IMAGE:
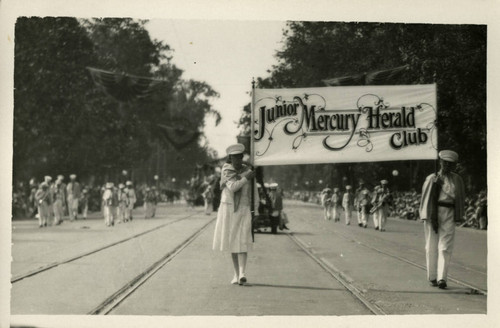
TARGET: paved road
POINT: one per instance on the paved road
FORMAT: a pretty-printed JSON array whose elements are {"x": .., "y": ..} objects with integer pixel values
[{"x": 384, "y": 267}]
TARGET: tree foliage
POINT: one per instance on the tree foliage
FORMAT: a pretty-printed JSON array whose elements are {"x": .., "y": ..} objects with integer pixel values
[
  {"x": 452, "y": 56},
  {"x": 63, "y": 123}
]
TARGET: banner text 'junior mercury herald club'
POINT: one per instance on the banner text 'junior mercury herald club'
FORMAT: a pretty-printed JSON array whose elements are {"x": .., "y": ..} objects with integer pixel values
[{"x": 344, "y": 124}]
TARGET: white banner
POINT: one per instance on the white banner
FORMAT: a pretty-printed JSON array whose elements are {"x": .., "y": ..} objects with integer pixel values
[{"x": 344, "y": 124}]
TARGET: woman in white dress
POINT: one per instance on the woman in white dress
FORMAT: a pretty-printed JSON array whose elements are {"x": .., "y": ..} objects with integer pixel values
[{"x": 233, "y": 230}]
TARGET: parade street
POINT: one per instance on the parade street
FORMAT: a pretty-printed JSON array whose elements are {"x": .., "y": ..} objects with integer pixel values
[{"x": 166, "y": 266}]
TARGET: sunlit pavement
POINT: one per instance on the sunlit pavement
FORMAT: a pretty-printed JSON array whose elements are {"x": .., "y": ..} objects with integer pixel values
[{"x": 283, "y": 280}]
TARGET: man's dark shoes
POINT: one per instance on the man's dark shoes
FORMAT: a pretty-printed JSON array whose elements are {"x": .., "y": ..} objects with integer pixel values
[
  {"x": 433, "y": 283},
  {"x": 442, "y": 284}
]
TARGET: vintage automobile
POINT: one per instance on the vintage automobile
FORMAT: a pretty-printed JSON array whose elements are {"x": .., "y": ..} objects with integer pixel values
[{"x": 263, "y": 218}]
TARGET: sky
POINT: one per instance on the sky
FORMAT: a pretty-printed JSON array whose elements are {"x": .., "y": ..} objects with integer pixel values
[{"x": 226, "y": 54}]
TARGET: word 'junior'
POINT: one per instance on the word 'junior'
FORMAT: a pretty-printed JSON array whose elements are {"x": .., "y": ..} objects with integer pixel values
[{"x": 315, "y": 120}]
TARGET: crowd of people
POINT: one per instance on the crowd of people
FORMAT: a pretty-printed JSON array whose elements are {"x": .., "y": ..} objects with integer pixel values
[
  {"x": 442, "y": 205},
  {"x": 50, "y": 201},
  {"x": 378, "y": 203},
  {"x": 78, "y": 199},
  {"x": 405, "y": 205}
]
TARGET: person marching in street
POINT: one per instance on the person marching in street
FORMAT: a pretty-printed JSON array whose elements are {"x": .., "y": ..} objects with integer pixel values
[
  {"x": 132, "y": 199},
  {"x": 32, "y": 201},
  {"x": 277, "y": 205},
  {"x": 73, "y": 193},
  {"x": 326, "y": 202},
  {"x": 43, "y": 199},
  {"x": 442, "y": 204},
  {"x": 358, "y": 195},
  {"x": 110, "y": 201},
  {"x": 33, "y": 204},
  {"x": 59, "y": 198},
  {"x": 208, "y": 196},
  {"x": 364, "y": 207},
  {"x": 150, "y": 202},
  {"x": 155, "y": 201},
  {"x": 283, "y": 216},
  {"x": 63, "y": 186},
  {"x": 50, "y": 216},
  {"x": 84, "y": 202},
  {"x": 233, "y": 230},
  {"x": 381, "y": 203},
  {"x": 145, "y": 194},
  {"x": 336, "y": 205},
  {"x": 348, "y": 204},
  {"x": 122, "y": 204},
  {"x": 373, "y": 208}
]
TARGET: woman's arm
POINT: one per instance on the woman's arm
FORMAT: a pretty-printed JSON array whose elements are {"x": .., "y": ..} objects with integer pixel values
[{"x": 235, "y": 185}]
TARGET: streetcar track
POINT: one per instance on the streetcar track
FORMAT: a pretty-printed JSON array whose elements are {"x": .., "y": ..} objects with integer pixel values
[
  {"x": 339, "y": 276},
  {"x": 74, "y": 258},
  {"x": 120, "y": 295},
  {"x": 473, "y": 289}
]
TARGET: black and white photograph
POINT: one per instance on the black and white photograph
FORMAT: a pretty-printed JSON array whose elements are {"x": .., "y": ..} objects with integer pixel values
[{"x": 250, "y": 164}]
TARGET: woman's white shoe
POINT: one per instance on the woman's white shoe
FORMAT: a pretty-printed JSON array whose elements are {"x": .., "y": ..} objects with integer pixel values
[{"x": 235, "y": 280}]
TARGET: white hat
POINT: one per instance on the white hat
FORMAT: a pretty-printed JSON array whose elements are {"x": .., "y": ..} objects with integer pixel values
[
  {"x": 235, "y": 149},
  {"x": 72, "y": 176},
  {"x": 128, "y": 183},
  {"x": 348, "y": 187},
  {"x": 266, "y": 185},
  {"x": 335, "y": 189},
  {"x": 273, "y": 185},
  {"x": 109, "y": 185},
  {"x": 60, "y": 177},
  {"x": 365, "y": 192},
  {"x": 48, "y": 178},
  {"x": 448, "y": 155},
  {"x": 384, "y": 182},
  {"x": 121, "y": 186},
  {"x": 326, "y": 190}
]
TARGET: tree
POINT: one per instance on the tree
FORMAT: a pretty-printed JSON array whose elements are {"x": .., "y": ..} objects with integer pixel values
[
  {"x": 64, "y": 124},
  {"x": 452, "y": 56},
  {"x": 50, "y": 94}
]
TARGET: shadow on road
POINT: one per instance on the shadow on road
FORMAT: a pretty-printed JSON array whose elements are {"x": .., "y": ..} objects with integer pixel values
[
  {"x": 450, "y": 290},
  {"x": 293, "y": 287}
]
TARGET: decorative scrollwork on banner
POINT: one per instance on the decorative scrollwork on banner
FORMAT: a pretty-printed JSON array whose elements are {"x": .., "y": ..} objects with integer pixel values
[
  {"x": 306, "y": 98},
  {"x": 431, "y": 126},
  {"x": 298, "y": 140},
  {"x": 364, "y": 140},
  {"x": 270, "y": 138},
  {"x": 370, "y": 97}
]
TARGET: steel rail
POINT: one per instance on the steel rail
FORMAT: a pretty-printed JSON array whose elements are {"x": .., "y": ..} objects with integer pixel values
[
  {"x": 74, "y": 258},
  {"x": 339, "y": 277},
  {"x": 474, "y": 289},
  {"x": 119, "y": 296}
]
